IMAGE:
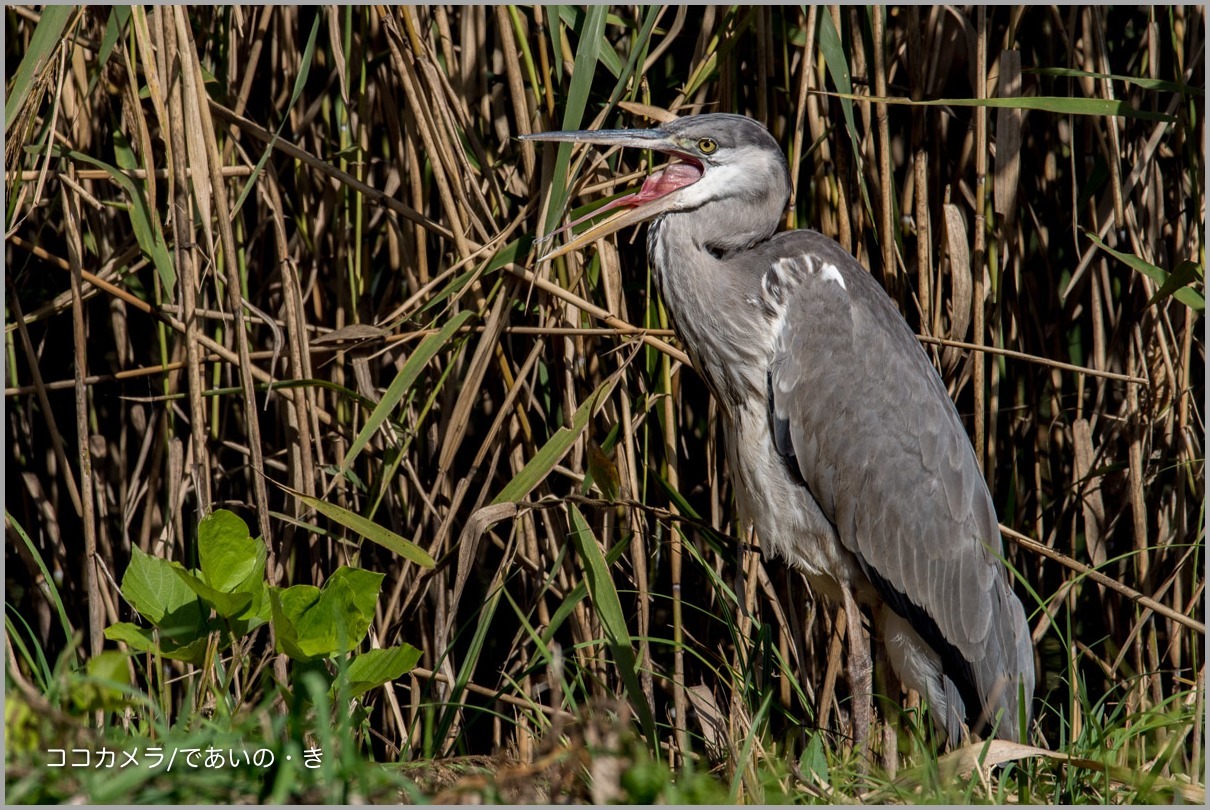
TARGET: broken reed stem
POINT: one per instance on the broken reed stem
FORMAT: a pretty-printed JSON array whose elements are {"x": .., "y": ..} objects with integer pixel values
[
  {"x": 979, "y": 253},
  {"x": 75, "y": 254},
  {"x": 1101, "y": 579}
]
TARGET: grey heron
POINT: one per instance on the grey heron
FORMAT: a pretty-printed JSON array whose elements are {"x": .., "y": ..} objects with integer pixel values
[{"x": 847, "y": 454}]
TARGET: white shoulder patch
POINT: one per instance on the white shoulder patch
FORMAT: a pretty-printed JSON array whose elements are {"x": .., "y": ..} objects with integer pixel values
[
  {"x": 787, "y": 272},
  {"x": 813, "y": 266},
  {"x": 832, "y": 274},
  {"x": 784, "y": 267}
]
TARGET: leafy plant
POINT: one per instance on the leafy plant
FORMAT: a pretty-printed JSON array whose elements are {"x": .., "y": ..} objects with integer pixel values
[{"x": 227, "y": 598}]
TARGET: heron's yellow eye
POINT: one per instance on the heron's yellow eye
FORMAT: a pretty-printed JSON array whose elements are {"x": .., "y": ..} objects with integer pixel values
[{"x": 707, "y": 146}]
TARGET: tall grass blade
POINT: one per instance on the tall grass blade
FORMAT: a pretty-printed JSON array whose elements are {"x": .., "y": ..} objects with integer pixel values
[
  {"x": 402, "y": 384},
  {"x": 55, "y": 597},
  {"x": 46, "y": 38},
  {"x": 1059, "y": 105},
  {"x": 588, "y": 50},
  {"x": 300, "y": 81},
  {"x": 1185, "y": 274},
  {"x": 1158, "y": 85},
  {"x": 144, "y": 221},
  {"x": 115, "y": 26},
  {"x": 555, "y": 448},
  {"x": 613, "y": 619},
  {"x": 366, "y": 528},
  {"x": 838, "y": 68}
]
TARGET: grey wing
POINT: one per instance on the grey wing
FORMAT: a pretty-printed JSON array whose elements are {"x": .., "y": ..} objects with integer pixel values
[{"x": 857, "y": 404}]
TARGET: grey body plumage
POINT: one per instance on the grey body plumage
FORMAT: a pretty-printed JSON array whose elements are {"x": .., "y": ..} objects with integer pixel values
[{"x": 848, "y": 456}]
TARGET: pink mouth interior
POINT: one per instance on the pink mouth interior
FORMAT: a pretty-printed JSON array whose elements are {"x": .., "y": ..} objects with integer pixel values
[{"x": 660, "y": 184}]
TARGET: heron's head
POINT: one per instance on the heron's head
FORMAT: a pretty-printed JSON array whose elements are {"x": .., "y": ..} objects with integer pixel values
[{"x": 728, "y": 164}]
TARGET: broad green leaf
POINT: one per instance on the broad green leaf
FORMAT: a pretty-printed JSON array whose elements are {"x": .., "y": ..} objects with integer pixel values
[
  {"x": 288, "y": 605},
  {"x": 257, "y": 587},
  {"x": 376, "y": 667},
  {"x": 142, "y": 639},
  {"x": 105, "y": 673},
  {"x": 137, "y": 638},
  {"x": 258, "y": 613},
  {"x": 364, "y": 585},
  {"x": 336, "y": 623},
  {"x": 227, "y": 605},
  {"x": 226, "y": 551},
  {"x": 813, "y": 761},
  {"x": 555, "y": 448},
  {"x": 1187, "y": 295},
  {"x": 46, "y": 38},
  {"x": 193, "y": 652},
  {"x": 403, "y": 383},
  {"x": 312, "y": 622},
  {"x": 156, "y": 591},
  {"x": 110, "y": 665}
]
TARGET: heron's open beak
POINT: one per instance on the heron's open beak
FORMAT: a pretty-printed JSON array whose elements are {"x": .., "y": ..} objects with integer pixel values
[{"x": 655, "y": 197}]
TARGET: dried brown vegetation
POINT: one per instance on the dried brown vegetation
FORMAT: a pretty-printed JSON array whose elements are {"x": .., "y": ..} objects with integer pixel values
[{"x": 229, "y": 230}]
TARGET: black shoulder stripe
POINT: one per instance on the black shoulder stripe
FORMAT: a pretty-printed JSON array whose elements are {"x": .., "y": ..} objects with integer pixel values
[{"x": 780, "y": 429}]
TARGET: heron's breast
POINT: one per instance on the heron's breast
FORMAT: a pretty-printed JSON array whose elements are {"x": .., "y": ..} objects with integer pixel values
[{"x": 780, "y": 507}]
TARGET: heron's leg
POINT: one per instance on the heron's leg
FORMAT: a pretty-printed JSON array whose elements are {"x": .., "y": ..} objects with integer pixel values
[
  {"x": 886, "y": 684},
  {"x": 860, "y": 672}
]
